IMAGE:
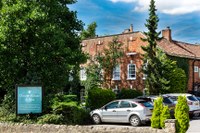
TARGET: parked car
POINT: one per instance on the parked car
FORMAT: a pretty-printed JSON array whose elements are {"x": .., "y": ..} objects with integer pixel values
[
  {"x": 166, "y": 101},
  {"x": 193, "y": 102},
  {"x": 133, "y": 111}
]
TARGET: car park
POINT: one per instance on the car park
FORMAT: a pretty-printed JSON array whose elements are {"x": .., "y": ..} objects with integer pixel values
[
  {"x": 133, "y": 111},
  {"x": 193, "y": 102}
]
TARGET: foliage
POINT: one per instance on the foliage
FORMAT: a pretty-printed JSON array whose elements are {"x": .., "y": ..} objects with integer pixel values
[
  {"x": 98, "y": 97},
  {"x": 154, "y": 80},
  {"x": 94, "y": 76},
  {"x": 164, "y": 115},
  {"x": 50, "y": 119},
  {"x": 157, "y": 111},
  {"x": 109, "y": 58},
  {"x": 172, "y": 73},
  {"x": 163, "y": 75},
  {"x": 66, "y": 110},
  {"x": 90, "y": 32},
  {"x": 39, "y": 44},
  {"x": 182, "y": 115},
  {"x": 182, "y": 63},
  {"x": 128, "y": 93}
]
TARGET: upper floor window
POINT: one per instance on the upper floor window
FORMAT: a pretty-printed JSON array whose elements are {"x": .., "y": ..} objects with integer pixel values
[
  {"x": 144, "y": 67},
  {"x": 196, "y": 69},
  {"x": 83, "y": 75},
  {"x": 131, "y": 71},
  {"x": 116, "y": 72}
]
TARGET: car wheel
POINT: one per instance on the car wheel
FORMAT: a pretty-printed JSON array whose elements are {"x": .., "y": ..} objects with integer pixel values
[
  {"x": 135, "y": 120},
  {"x": 96, "y": 119}
]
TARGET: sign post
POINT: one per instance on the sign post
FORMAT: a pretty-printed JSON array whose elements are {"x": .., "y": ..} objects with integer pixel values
[{"x": 28, "y": 99}]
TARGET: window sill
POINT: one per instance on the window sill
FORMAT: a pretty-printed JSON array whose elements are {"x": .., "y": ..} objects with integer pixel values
[
  {"x": 131, "y": 78},
  {"x": 116, "y": 79}
]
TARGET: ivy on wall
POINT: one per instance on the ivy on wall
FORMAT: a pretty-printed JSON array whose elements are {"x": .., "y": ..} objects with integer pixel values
[{"x": 182, "y": 63}]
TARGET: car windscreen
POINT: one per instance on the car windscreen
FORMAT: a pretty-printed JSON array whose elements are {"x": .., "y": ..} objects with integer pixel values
[
  {"x": 146, "y": 104},
  {"x": 192, "y": 98}
]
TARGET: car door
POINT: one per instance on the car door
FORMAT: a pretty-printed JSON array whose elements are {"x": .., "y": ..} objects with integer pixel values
[
  {"x": 124, "y": 110},
  {"x": 109, "y": 112}
]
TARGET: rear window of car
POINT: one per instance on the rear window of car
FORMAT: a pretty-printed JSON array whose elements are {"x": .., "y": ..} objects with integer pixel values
[
  {"x": 192, "y": 98},
  {"x": 167, "y": 100},
  {"x": 146, "y": 104}
]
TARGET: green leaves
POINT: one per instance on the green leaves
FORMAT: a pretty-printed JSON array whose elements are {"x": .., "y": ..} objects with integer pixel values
[
  {"x": 182, "y": 115},
  {"x": 39, "y": 43}
]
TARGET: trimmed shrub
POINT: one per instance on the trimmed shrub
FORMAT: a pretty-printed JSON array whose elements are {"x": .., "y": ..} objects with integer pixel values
[
  {"x": 164, "y": 115},
  {"x": 182, "y": 115},
  {"x": 157, "y": 110},
  {"x": 98, "y": 97},
  {"x": 66, "y": 106},
  {"x": 128, "y": 93},
  {"x": 50, "y": 119}
]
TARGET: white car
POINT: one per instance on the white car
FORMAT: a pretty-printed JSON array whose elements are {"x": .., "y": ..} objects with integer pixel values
[
  {"x": 133, "y": 111},
  {"x": 193, "y": 102}
]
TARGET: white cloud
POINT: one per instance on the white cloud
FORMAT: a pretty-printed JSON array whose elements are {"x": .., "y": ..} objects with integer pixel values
[{"x": 173, "y": 7}]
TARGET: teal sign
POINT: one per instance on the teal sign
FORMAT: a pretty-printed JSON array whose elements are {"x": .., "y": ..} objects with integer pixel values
[{"x": 29, "y": 99}]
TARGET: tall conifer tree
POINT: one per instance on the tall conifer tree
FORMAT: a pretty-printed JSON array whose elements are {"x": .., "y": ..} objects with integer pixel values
[{"x": 155, "y": 81}]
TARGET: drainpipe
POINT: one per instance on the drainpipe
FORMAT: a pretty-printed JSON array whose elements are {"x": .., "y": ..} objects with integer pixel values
[{"x": 193, "y": 74}]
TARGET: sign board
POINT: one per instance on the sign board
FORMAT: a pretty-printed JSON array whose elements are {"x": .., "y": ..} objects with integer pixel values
[{"x": 29, "y": 99}]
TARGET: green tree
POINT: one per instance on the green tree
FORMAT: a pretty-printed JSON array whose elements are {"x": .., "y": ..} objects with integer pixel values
[
  {"x": 157, "y": 111},
  {"x": 160, "y": 70},
  {"x": 172, "y": 73},
  {"x": 164, "y": 115},
  {"x": 108, "y": 59},
  {"x": 90, "y": 32},
  {"x": 39, "y": 44},
  {"x": 94, "y": 75},
  {"x": 154, "y": 80},
  {"x": 182, "y": 115}
]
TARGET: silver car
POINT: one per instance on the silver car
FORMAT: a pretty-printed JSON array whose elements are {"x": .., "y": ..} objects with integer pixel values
[{"x": 133, "y": 111}]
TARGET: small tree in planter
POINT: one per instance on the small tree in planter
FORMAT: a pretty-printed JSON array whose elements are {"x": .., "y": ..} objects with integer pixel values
[
  {"x": 164, "y": 115},
  {"x": 157, "y": 110},
  {"x": 182, "y": 115}
]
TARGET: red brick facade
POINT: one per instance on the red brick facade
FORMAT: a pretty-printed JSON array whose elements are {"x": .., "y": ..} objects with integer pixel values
[{"x": 132, "y": 55}]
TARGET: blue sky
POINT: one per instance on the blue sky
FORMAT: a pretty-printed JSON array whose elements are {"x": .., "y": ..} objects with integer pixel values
[{"x": 113, "y": 16}]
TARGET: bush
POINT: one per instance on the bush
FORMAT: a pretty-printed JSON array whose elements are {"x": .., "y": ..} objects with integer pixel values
[
  {"x": 157, "y": 110},
  {"x": 67, "y": 106},
  {"x": 98, "y": 97},
  {"x": 182, "y": 115},
  {"x": 128, "y": 93},
  {"x": 164, "y": 115},
  {"x": 50, "y": 119},
  {"x": 71, "y": 112}
]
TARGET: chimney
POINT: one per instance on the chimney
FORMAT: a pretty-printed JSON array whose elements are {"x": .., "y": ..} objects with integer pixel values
[
  {"x": 166, "y": 33},
  {"x": 131, "y": 28}
]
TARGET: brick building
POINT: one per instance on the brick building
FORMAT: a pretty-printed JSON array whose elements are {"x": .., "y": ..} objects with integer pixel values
[{"x": 129, "y": 75}]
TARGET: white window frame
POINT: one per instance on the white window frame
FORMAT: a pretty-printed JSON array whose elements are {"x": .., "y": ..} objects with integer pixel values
[
  {"x": 196, "y": 69},
  {"x": 116, "y": 72},
  {"x": 199, "y": 72},
  {"x": 144, "y": 75},
  {"x": 129, "y": 73},
  {"x": 83, "y": 75}
]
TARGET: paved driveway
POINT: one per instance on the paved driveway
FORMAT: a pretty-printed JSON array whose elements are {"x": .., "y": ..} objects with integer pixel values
[{"x": 194, "y": 125}]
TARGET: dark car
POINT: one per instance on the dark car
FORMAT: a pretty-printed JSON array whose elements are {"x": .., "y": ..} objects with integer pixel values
[{"x": 166, "y": 101}]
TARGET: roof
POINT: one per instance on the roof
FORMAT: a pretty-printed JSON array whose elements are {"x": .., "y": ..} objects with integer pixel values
[{"x": 180, "y": 49}]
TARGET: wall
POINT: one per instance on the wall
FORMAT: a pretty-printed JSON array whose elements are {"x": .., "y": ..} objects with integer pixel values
[
  {"x": 192, "y": 74},
  {"x": 131, "y": 43},
  {"x": 50, "y": 128}
]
